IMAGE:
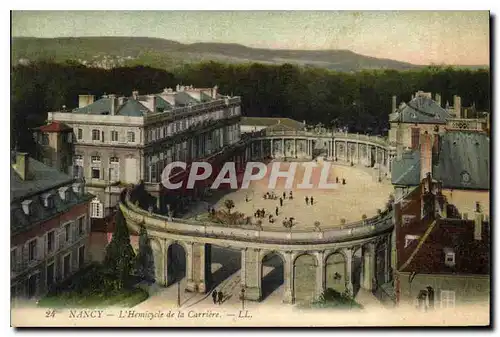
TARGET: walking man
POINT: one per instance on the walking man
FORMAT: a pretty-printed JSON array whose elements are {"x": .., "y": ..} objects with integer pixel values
[
  {"x": 214, "y": 296},
  {"x": 284, "y": 195},
  {"x": 312, "y": 201},
  {"x": 220, "y": 295},
  {"x": 307, "y": 201},
  {"x": 276, "y": 210},
  {"x": 281, "y": 202}
]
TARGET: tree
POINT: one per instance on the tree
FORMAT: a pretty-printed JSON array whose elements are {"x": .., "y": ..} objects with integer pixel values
[
  {"x": 229, "y": 205},
  {"x": 144, "y": 262},
  {"x": 119, "y": 253}
]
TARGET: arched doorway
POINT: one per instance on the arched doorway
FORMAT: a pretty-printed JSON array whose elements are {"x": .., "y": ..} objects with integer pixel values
[
  {"x": 176, "y": 263},
  {"x": 304, "y": 278},
  {"x": 272, "y": 274},
  {"x": 225, "y": 262},
  {"x": 335, "y": 272}
]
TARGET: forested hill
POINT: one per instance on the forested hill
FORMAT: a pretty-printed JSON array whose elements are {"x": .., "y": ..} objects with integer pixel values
[
  {"x": 167, "y": 54},
  {"x": 360, "y": 100}
]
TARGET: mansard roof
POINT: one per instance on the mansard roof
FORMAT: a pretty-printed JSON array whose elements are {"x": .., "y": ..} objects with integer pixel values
[{"x": 422, "y": 110}]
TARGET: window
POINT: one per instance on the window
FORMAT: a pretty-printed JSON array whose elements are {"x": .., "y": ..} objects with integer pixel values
[
  {"x": 67, "y": 232},
  {"x": 114, "y": 160},
  {"x": 96, "y": 135},
  {"x": 102, "y": 136},
  {"x": 32, "y": 250},
  {"x": 70, "y": 137},
  {"x": 449, "y": 259},
  {"x": 410, "y": 238},
  {"x": 96, "y": 173},
  {"x": 50, "y": 241},
  {"x": 415, "y": 138},
  {"x": 50, "y": 274},
  {"x": 67, "y": 265},
  {"x": 114, "y": 136},
  {"x": 45, "y": 139},
  {"x": 130, "y": 137},
  {"x": 81, "y": 226},
  {"x": 96, "y": 209},
  {"x": 114, "y": 169},
  {"x": 447, "y": 299},
  {"x": 81, "y": 256},
  {"x": 79, "y": 133}
]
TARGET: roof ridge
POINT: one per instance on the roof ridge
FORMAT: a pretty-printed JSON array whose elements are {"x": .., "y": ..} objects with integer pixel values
[{"x": 420, "y": 244}]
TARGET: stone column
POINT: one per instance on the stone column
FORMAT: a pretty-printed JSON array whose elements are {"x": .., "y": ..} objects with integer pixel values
[
  {"x": 190, "y": 284},
  {"x": 368, "y": 265},
  {"x": 334, "y": 149},
  {"x": 376, "y": 155},
  {"x": 288, "y": 296},
  {"x": 283, "y": 151},
  {"x": 387, "y": 257},
  {"x": 158, "y": 249},
  {"x": 357, "y": 152},
  {"x": 251, "y": 277},
  {"x": 198, "y": 267},
  {"x": 261, "y": 148},
  {"x": 272, "y": 148},
  {"x": 346, "y": 150},
  {"x": 320, "y": 274},
  {"x": 295, "y": 147},
  {"x": 348, "y": 277}
]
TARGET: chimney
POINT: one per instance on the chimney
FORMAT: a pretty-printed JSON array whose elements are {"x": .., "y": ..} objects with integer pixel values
[
  {"x": 425, "y": 154},
  {"x": 394, "y": 103},
  {"x": 457, "y": 106},
  {"x": 22, "y": 165},
  {"x": 478, "y": 222},
  {"x": 214, "y": 91},
  {"x": 438, "y": 99},
  {"x": 135, "y": 94},
  {"x": 84, "y": 100},
  {"x": 112, "y": 104}
]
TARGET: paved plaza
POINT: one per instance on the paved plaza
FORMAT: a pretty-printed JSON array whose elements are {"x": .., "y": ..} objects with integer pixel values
[{"x": 362, "y": 194}]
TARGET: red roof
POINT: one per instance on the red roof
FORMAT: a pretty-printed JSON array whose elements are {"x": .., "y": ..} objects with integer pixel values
[{"x": 54, "y": 127}]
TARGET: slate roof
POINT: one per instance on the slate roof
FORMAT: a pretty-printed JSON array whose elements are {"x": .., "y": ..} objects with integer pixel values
[
  {"x": 406, "y": 171},
  {"x": 43, "y": 179},
  {"x": 422, "y": 110},
  {"x": 464, "y": 160},
  {"x": 132, "y": 108},
  {"x": 270, "y": 121},
  {"x": 99, "y": 107},
  {"x": 54, "y": 127},
  {"x": 182, "y": 98}
]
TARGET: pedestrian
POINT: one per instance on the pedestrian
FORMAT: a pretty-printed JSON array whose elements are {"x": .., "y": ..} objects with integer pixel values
[
  {"x": 307, "y": 201},
  {"x": 337, "y": 180},
  {"x": 214, "y": 296},
  {"x": 281, "y": 202},
  {"x": 220, "y": 295},
  {"x": 343, "y": 181},
  {"x": 246, "y": 198},
  {"x": 263, "y": 212},
  {"x": 291, "y": 195},
  {"x": 276, "y": 210},
  {"x": 284, "y": 195},
  {"x": 312, "y": 201}
]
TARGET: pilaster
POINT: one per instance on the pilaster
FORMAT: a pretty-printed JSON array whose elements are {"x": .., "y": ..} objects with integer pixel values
[
  {"x": 348, "y": 277},
  {"x": 251, "y": 278},
  {"x": 320, "y": 273},
  {"x": 288, "y": 296}
]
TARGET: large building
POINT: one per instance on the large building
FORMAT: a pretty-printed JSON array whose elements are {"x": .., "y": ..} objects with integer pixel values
[
  {"x": 49, "y": 226},
  {"x": 441, "y": 177},
  {"x": 125, "y": 140}
]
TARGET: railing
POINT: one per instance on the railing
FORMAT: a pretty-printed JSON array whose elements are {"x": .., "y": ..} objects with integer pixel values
[
  {"x": 329, "y": 134},
  {"x": 163, "y": 223},
  {"x": 465, "y": 124}
]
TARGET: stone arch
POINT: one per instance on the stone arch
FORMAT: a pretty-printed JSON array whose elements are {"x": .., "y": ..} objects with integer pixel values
[
  {"x": 304, "y": 277},
  {"x": 272, "y": 272},
  {"x": 336, "y": 271},
  {"x": 176, "y": 264}
]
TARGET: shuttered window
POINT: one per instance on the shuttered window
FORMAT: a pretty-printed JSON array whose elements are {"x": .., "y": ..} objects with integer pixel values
[{"x": 415, "y": 138}]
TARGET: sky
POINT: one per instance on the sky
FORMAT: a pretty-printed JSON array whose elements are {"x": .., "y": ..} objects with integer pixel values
[{"x": 418, "y": 37}]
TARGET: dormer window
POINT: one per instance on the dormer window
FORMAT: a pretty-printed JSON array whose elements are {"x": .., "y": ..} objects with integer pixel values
[
  {"x": 26, "y": 204},
  {"x": 77, "y": 188},
  {"x": 48, "y": 200},
  {"x": 64, "y": 193},
  {"x": 449, "y": 259}
]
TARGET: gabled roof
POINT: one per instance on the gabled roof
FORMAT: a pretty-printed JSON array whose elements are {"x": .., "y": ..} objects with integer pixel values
[
  {"x": 464, "y": 160},
  {"x": 99, "y": 107},
  {"x": 269, "y": 121},
  {"x": 54, "y": 127},
  {"x": 422, "y": 110}
]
